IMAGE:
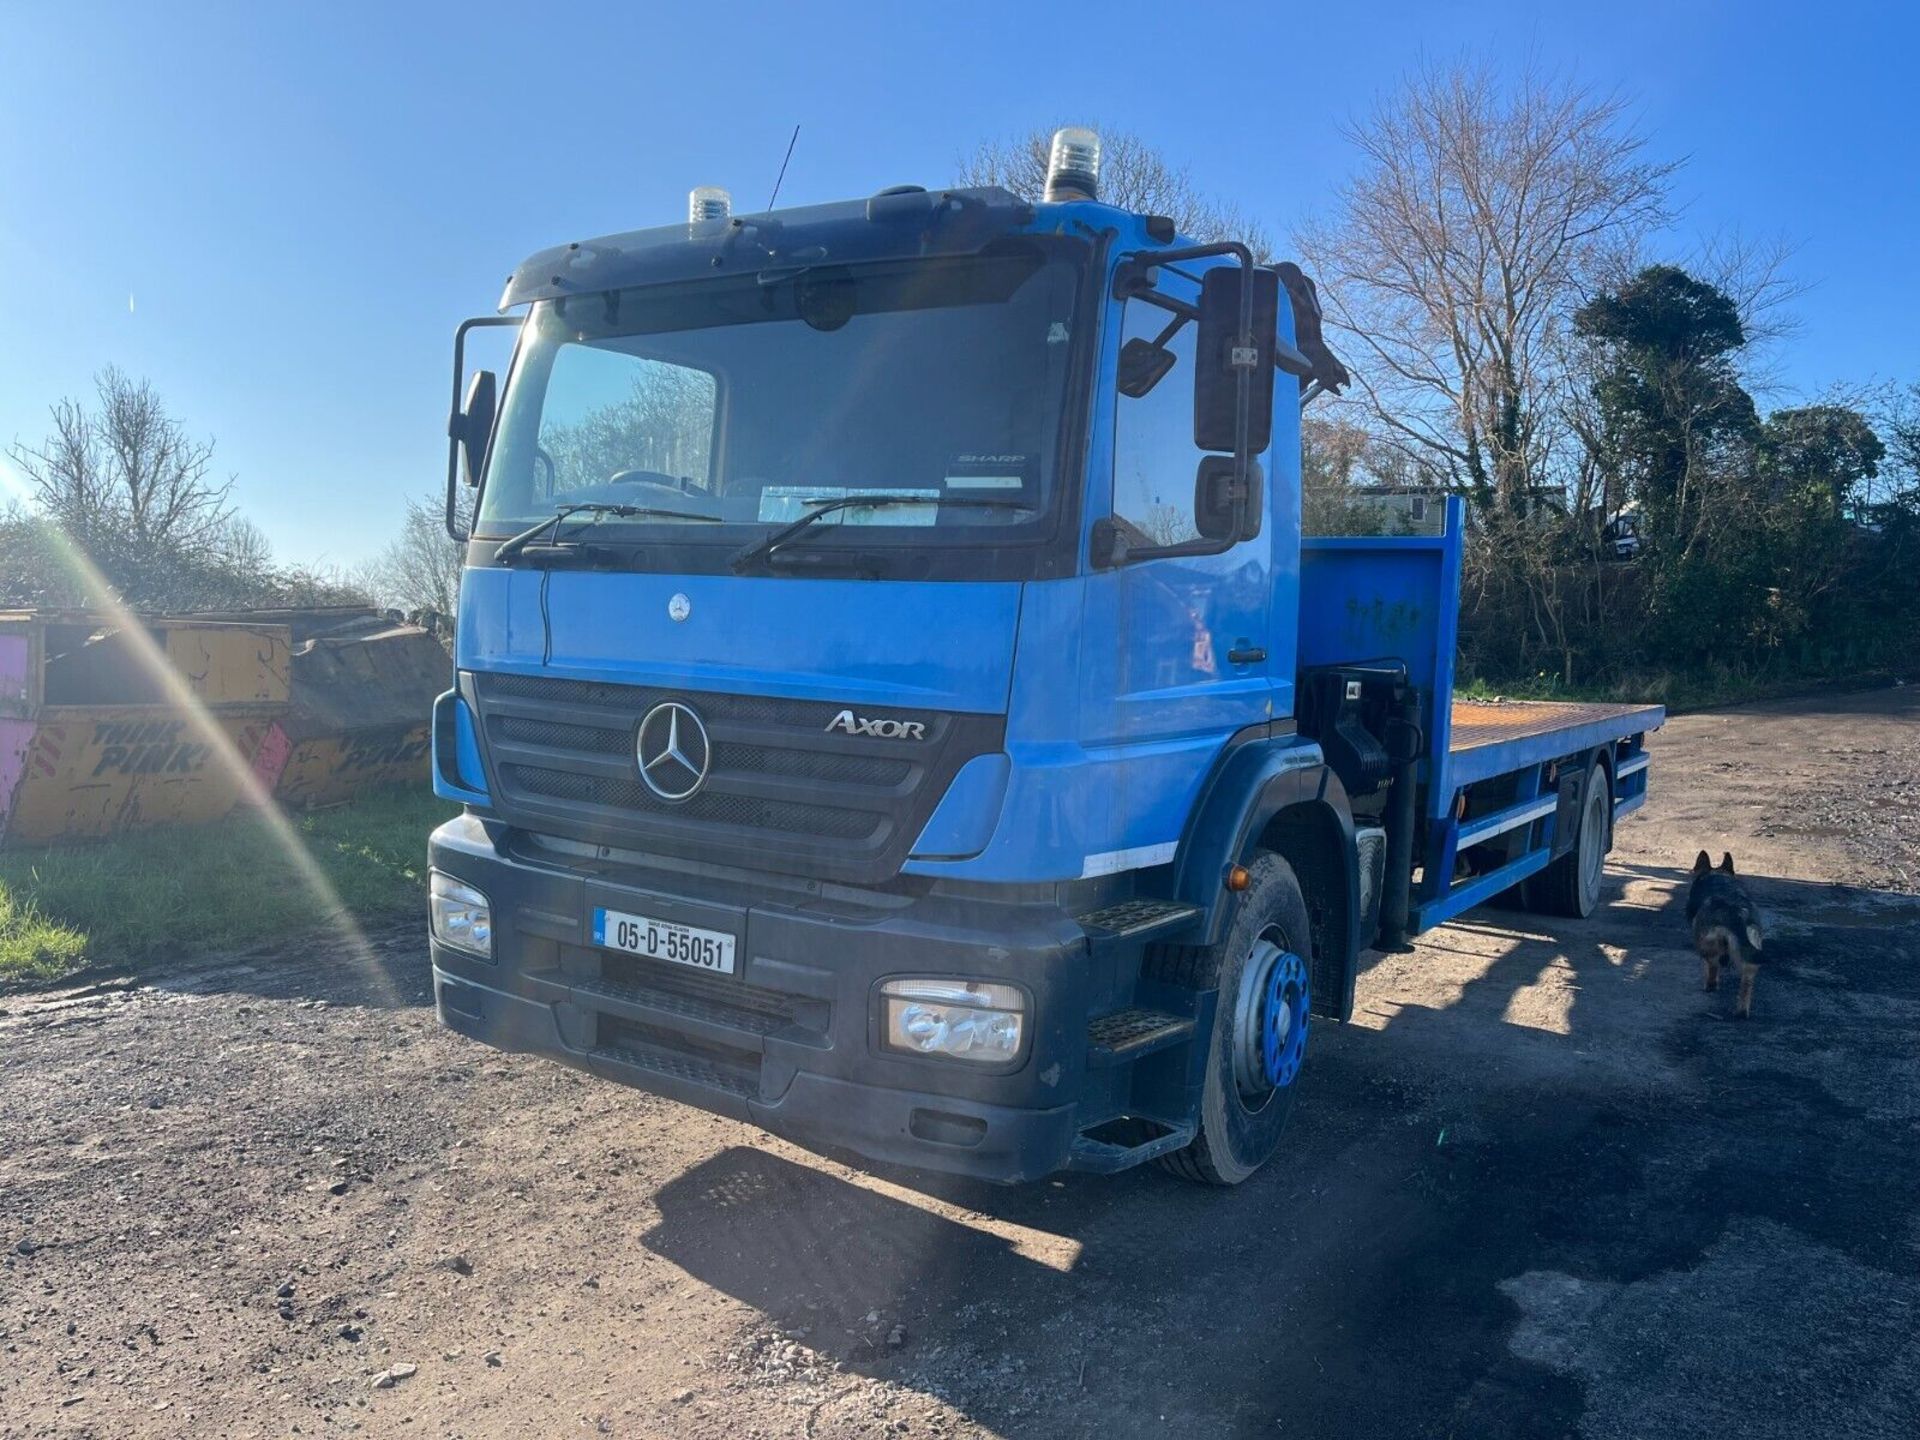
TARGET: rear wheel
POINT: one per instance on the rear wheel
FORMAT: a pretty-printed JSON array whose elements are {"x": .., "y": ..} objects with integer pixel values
[
  {"x": 1262, "y": 969},
  {"x": 1571, "y": 884}
]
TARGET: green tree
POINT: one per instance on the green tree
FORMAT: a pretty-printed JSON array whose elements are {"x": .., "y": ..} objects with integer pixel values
[
  {"x": 1669, "y": 417},
  {"x": 1824, "y": 453}
]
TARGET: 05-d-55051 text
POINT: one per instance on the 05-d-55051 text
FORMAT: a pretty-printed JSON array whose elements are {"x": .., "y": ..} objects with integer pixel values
[{"x": 664, "y": 940}]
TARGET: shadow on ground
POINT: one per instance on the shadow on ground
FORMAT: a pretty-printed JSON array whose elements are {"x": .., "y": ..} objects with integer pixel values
[
  {"x": 1540, "y": 1186},
  {"x": 1625, "y": 1215}
]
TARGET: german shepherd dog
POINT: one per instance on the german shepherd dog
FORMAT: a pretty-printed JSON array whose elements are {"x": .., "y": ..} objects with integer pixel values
[{"x": 1726, "y": 926}]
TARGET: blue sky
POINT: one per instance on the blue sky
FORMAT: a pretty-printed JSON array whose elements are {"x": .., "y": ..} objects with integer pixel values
[{"x": 302, "y": 201}]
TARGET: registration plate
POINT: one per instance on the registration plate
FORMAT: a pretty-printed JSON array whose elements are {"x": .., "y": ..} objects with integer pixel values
[{"x": 664, "y": 940}]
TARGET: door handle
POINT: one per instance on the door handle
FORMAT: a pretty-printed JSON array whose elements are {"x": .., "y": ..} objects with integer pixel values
[{"x": 1246, "y": 654}]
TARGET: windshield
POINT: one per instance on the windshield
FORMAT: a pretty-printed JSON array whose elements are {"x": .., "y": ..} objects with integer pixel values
[{"x": 752, "y": 401}]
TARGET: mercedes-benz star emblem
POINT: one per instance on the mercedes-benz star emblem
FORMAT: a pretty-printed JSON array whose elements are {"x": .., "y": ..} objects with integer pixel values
[
  {"x": 678, "y": 608},
  {"x": 673, "y": 751}
]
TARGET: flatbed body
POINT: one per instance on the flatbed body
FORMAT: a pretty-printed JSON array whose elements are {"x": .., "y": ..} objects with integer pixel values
[{"x": 1498, "y": 778}]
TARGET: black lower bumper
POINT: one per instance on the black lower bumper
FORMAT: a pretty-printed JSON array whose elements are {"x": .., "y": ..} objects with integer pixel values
[{"x": 791, "y": 1042}]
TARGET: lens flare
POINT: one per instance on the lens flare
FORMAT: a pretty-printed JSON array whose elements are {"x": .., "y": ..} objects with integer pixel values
[{"x": 255, "y": 796}]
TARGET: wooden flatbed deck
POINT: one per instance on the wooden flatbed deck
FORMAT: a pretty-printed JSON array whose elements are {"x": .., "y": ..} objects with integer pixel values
[
  {"x": 1497, "y": 722},
  {"x": 1492, "y": 737}
]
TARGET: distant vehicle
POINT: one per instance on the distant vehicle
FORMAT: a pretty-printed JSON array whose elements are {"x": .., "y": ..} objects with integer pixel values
[
  {"x": 894, "y": 703},
  {"x": 1620, "y": 537}
]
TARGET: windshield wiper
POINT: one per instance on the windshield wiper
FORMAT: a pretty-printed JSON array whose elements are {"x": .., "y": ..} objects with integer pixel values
[
  {"x": 762, "y": 550},
  {"x": 509, "y": 548}
]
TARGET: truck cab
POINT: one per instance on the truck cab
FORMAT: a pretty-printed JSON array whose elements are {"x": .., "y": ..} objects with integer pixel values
[{"x": 883, "y": 708}]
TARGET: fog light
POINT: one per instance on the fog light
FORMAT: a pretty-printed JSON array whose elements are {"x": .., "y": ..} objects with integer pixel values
[
  {"x": 462, "y": 917},
  {"x": 957, "y": 1019}
]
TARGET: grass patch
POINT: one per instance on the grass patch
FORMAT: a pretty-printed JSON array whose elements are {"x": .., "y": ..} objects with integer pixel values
[{"x": 159, "y": 894}]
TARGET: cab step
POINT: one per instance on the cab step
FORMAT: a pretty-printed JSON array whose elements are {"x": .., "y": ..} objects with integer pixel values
[
  {"x": 679, "y": 1075},
  {"x": 1105, "y": 1157},
  {"x": 1134, "y": 921},
  {"x": 1128, "y": 1034}
]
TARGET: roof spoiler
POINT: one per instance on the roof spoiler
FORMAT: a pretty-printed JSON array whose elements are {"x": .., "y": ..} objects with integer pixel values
[{"x": 894, "y": 224}]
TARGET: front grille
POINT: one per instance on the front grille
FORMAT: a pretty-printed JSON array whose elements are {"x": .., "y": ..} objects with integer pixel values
[
  {"x": 718, "y": 809},
  {"x": 783, "y": 791},
  {"x": 858, "y": 769},
  {"x": 851, "y": 769},
  {"x": 555, "y": 735}
]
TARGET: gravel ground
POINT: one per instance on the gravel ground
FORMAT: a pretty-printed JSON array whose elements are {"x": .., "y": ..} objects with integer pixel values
[{"x": 1542, "y": 1186}]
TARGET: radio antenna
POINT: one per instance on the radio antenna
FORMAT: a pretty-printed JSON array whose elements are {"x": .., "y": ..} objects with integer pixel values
[{"x": 783, "y": 168}]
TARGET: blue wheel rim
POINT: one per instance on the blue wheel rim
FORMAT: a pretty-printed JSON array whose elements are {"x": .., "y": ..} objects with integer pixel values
[{"x": 1283, "y": 1020}]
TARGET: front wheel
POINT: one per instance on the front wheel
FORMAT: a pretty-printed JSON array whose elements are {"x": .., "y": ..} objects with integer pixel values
[{"x": 1262, "y": 969}]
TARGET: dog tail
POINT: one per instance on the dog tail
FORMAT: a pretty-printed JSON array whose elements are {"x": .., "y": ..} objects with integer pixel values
[
  {"x": 1739, "y": 940},
  {"x": 1742, "y": 940}
]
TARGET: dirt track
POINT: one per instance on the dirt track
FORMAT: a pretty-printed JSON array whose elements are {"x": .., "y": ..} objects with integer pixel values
[{"x": 1542, "y": 1186}]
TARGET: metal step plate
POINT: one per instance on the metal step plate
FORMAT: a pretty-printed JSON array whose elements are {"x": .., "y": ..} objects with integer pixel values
[
  {"x": 1129, "y": 1034},
  {"x": 1136, "y": 917}
]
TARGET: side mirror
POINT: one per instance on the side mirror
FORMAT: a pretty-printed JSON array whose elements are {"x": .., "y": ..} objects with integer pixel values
[
  {"x": 471, "y": 421},
  {"x": 1143, "y": 365},
  {"x": 473, "y": 424},
  {"x": 1223, "y": 508},
  {"x": 1216, "y": 379}
]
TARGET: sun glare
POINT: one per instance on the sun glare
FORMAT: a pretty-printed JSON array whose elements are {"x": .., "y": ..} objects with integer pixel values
[{"x": 220, "y": 745}]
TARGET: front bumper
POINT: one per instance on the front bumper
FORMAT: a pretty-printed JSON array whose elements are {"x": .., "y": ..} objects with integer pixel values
[{"x": 790, "y": 1042}]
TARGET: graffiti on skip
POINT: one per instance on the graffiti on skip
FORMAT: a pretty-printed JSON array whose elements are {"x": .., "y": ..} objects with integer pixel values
[
  {"x": 374, "y": 751},
  {"x": 147, "y": 747}
]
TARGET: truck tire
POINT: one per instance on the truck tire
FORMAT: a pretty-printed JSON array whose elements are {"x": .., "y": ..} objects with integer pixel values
[
  {"x": 1261, "y": 969},
  {"x": 1570, "y": 886}
]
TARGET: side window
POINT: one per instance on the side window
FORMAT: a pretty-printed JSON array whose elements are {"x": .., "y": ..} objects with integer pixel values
[
  {"x": 608, "y": 412},
  {"x": 1153, "y": 456}
]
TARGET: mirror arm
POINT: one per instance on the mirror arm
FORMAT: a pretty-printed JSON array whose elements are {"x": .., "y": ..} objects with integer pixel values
[
  {"x": 455, "y": 415},
  {"x": 1246, "y": 352},
  {"x": 1179, "y": 309},
  {"x": 1172, "y": 328}
]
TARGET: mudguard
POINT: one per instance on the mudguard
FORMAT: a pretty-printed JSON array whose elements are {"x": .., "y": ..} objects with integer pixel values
[{"x": 1253, "y": 782}]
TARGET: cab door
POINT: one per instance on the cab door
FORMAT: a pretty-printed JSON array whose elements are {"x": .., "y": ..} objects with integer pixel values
[{"x": 1175, "y": 647}]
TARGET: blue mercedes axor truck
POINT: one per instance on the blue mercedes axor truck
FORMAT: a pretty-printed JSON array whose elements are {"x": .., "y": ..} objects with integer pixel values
[{"x": 894, "y": 703}]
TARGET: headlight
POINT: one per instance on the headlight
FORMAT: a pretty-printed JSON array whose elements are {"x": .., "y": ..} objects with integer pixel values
[
  {"x": 957, "y": 1019},
  {"x": 462, "y": 917}
]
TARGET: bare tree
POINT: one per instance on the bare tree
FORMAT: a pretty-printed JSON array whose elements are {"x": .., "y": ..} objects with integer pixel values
[
  {"x": 1133, "y": 175},
  {"x": 420, "y": 568},
  {"x": 1756, "y": 273},
  {"x": 128, "y": 470},
  {"x": 244, "y": 547},
  {"x": 1897, "y": 416},
  {"x": 1480, "y": 216}
]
